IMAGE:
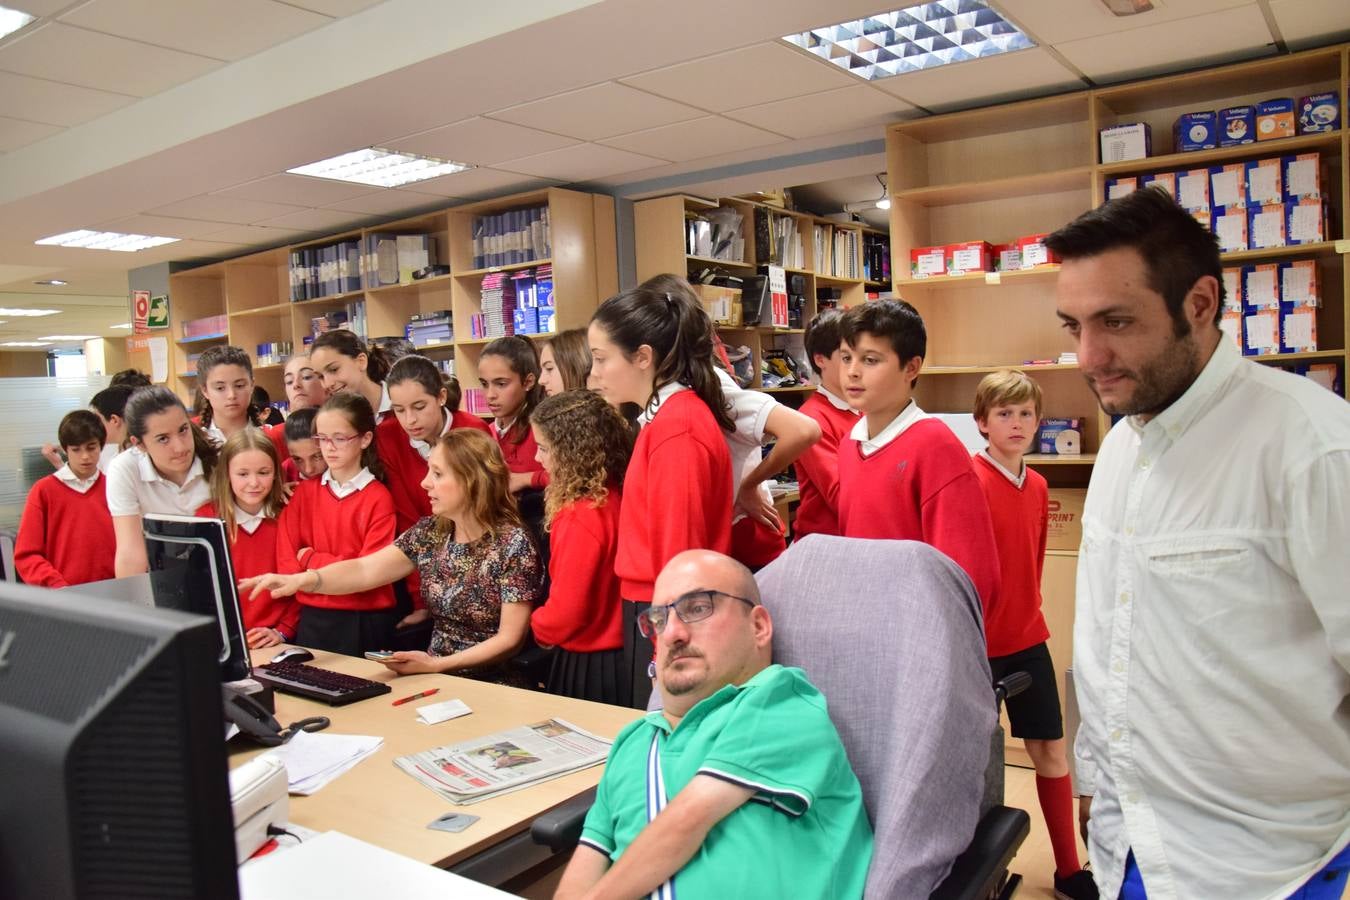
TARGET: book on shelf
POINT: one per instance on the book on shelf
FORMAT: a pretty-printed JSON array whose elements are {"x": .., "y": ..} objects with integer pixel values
[
  {"x": 323, "y": 271},
  {"x": 876, "y": 257},
  {"x": 272, "y": 353},
  {"x": 778, "y": 241},
  {"x": 845, "y": 258},
  {"x": 823, "y": 247},
  {"x": 388, "y": 259},
  {"x": 512, "y": 237},
  {"x": 206, "y": 326},
  {"x": 717, "y": 234},
  {"x": 430, "y": 329}
]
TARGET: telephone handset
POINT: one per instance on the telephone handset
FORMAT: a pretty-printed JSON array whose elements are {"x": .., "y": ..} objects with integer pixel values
[{"x": 256, "y": 723}]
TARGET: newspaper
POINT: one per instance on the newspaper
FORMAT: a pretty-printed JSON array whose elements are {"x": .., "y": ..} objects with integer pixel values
[{"x": 507, "y": 761}]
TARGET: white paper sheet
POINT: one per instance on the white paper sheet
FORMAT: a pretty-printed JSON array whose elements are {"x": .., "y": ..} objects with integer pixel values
[
  {"x": 1226, "y": 188},
  {"x": 1261, "y": 289},
  {"x": 313, "y": 760},
  {"x": 1298, "y": 331},
  {"x": 434, "y": 713},
  {"x": 1261, "y": 332},
  {"x": 1263, "y": 184}
]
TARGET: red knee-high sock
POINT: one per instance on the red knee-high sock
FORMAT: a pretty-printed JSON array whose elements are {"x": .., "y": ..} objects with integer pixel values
[{"x": 1056, "y": 796}]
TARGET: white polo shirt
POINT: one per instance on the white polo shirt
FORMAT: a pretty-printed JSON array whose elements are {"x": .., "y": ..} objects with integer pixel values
[{"x": 135, "y": 487}]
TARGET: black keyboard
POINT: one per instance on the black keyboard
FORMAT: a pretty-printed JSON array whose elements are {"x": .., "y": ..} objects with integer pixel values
[{"x": 333, "y": 688}]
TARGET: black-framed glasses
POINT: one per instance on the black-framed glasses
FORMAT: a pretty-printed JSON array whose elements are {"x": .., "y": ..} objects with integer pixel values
[{"x": 695, "y": 606}]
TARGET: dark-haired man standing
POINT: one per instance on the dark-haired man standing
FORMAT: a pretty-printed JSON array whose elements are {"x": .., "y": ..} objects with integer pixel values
[{"x": 1212, "y": 635}]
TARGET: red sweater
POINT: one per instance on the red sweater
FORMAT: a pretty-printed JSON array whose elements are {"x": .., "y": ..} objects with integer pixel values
[
  {"x": 583, "y": 612},
  {"x": 405, "y": 469},
  {"x": 256, "y": 554},
  {"x": 755, "y": 545},
  {"x": 65, "y": 537},
  {"x": 677, "y": 493},
  {"x": 1020, "y": 517},
  {"x": 921, "y": 487},
  {"x": 357, "y": 525},
  {"x": 818, "y": 469},
  {"x": 520, "y": 457},
  {"x": 277, "y": 434}
]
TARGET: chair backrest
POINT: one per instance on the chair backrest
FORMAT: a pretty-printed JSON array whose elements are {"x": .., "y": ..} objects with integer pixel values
[{"x": 891, "y": 634}]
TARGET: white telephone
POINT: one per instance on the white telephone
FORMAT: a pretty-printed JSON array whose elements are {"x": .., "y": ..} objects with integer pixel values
[{"x": 258, "y": 795}]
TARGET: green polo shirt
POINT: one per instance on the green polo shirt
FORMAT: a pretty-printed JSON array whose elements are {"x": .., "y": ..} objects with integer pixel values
[{"x": 803, "y": 834}]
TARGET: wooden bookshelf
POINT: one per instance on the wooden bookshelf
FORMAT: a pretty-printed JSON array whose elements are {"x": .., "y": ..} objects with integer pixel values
[
  {"x": 254, "y": 291},
  {"x": 1017, "y": 169}
]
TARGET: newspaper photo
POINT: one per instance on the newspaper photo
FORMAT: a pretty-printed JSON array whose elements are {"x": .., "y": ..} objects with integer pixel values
[{"x": 507, "y": 761}]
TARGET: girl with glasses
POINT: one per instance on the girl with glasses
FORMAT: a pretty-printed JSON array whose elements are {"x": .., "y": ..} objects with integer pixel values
[
  {"x": 584, "y": 445},
  {"x": 654, "y": 348},
  {"x": 345, "y": 514}
]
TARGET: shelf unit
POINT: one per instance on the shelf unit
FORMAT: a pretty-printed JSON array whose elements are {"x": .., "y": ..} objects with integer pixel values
[
  {"x": 254, "y": 291},
  {"x": 660, "y": 246},
  {"x": 1001, "y": 173}
]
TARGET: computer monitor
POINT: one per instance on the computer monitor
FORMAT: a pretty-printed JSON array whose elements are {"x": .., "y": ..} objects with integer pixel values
[
  {"x": 113, "y": 780},
  {"x": 190, "y": 571}
]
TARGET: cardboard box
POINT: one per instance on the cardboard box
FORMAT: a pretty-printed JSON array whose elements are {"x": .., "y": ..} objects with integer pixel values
[
  {"x": 1266, "y": 226},
  {"x": 1165, "y": 180},
  {"x": 925, "y": 262},
  {"x": 1275, "y": 119},
  {"x": 1298, "y": 328},
  {"x": 1007, "y": 257},
  {"x": 1064, "y": 529},
  {"x": 1130, "y": 141},
  {"x": 1319, "y": 113},
  {"x": 1328, "y": 375},
  {"x": 1305, "y": 221},
  {"x": 1228, "y": 186},
  {"x": 1060, "y": 437},
  {"x": 1237, "y": 125},
  {"x": 1261, "y": 332},
  {"x": 1195, "y": 131},
  {"x": 971, "y": 256},
  {"x": 1121, "y": 187},
  {"x": 1265, "y": 181},
  {"x": 1261, "y": 287},
  {"x": 1230, "y": 227},
  {"x": 1302, "y": 175},
  {"x": 722, "y": 303},
  {"x": 1193, "y": 189},
  {"x": 1034, "y": 251},
  {"x": 1298, "y": 283}
]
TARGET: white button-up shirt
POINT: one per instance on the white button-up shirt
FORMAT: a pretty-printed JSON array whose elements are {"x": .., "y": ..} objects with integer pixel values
[
  {"x": 1212, "y": 638},
  {"x": 343, "y": 489},
  {"x": 899, "y": 425}
]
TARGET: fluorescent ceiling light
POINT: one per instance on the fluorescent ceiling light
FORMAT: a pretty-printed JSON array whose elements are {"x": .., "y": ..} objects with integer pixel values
[
  {"x": 33, "y": 313},
  {"x": 11, "y": 20},
  {"x": 68, "y": 337},
  {"x": 105, "y": 240},
  {"x": 379, "y": 168},
  {"x": 122, "y": 325},
  {"x": 912, "y": 39},
  {"x": 52, "y": 282},
  {"x": 26, "y": 344}
]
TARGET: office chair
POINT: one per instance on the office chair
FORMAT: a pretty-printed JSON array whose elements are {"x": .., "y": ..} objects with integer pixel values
[{"x": 891, "y": 633}]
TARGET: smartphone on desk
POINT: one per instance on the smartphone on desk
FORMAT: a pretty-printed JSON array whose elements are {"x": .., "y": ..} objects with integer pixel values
[{"x": 379, "y": 655}]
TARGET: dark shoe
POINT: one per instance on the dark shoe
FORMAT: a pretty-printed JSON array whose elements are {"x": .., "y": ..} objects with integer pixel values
[{"x": 1078, "y": 886}]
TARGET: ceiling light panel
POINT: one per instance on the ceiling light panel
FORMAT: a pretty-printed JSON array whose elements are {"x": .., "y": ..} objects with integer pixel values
[
  {"x": 919, "y": 37},
  {"x": 11, "y": 20},
  {"x": 105, "y": 240},
  {"x": 31, "y": 313},
  {"x": 380, "y": 168},
  {"x": 68, "y": 337},
  {"x": 26, "y": 344}
]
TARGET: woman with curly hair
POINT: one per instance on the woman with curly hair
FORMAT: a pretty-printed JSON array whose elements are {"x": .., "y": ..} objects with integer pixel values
[{"x": 584, "y": 445}]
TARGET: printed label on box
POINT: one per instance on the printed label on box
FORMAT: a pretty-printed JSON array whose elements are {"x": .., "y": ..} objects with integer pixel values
[
  {"x": 1121, "y": 187},
  {"x": 1302, "y": 176},
  {"x": 1061, "y": 437},
  {"x": 1298, "y": 283},
  {"x": 928, "y": 261},
  {"x": 1231, "y": 229},
  {"x": 1267, "y": 227},
  {"x": 1305, "y": 222},
  {"x": 1261, "y": 289},
  {"x": 1165, "y": 180},
  {"x": 1193, "y": 189},
  {"x": 1232, "y": 288},
  {"x": 1298, "y": 330},
  {"x": 1231, "y": 325},
  {"x": 1261, "y": 331},
  {"x": 1007, "y": 257},
  {"x": 1263, "y": 182},
  {"x": 1226, "y": 186}
]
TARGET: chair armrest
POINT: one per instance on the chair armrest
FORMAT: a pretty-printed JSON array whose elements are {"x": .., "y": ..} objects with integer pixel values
[
  {"x": 560, "y": 827},
  {"x": 977, "y": 871}
]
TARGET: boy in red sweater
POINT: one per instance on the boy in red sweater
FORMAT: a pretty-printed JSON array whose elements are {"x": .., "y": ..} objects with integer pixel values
[
  {"x": 1008, "y": 412},
  {"x": 818, "y": 467},
  {"x": 66, "y": 532},
  {"x": 902, "y": 475}
]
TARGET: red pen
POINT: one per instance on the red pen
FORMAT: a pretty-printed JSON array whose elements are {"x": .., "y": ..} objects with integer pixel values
[{"x": 417, "y": 696}]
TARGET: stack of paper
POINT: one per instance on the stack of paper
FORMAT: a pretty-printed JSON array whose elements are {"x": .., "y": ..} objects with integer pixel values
[
  {"x": 313, "y": 760},
  {"x": 433, "y": 713}
]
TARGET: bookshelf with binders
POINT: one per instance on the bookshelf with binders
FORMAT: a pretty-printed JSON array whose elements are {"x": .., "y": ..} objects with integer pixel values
[{"x": 394, "y": 280}]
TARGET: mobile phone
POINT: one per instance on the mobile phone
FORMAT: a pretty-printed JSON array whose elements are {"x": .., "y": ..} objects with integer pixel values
[{"x": 379, "y": 655}]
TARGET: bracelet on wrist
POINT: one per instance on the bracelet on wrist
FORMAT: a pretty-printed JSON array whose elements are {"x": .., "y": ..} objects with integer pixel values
[{"x": 318, "y": 580}]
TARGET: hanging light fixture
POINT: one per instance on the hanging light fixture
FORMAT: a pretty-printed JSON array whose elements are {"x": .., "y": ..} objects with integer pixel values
[{"x": 884, "y": 201}]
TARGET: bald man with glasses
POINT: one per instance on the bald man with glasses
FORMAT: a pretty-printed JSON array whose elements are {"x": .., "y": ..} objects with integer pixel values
[{"x": 740, "y": 786}]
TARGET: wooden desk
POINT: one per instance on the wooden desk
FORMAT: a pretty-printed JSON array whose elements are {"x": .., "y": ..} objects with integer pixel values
[{"x": 380, "y": 804}]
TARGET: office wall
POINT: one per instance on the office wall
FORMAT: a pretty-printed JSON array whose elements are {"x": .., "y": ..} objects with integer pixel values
[{"x": 31, "y": 363}]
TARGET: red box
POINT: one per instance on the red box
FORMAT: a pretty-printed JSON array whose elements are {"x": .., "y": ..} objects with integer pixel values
[
  {"x": 1034, "y": 251},
  {"x": 971, "y": 256},
  {"x": 925, "y": 262},
  {"x": 1007, "y": 257}
]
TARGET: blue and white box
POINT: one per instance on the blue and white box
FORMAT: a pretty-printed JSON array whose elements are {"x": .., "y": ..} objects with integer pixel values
[
  {"x": 1195, "y": 131},
  {"x": 1236, "y": 126},
  {"x": 1319, "y": 113}
]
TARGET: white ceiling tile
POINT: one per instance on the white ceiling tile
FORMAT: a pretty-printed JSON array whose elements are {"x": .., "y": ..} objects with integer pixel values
[
  {"x": 580, "y": 162},
  {"x": 16, "y": 133},
  {"x": 600, "y": 111},
  {"x": 746, "y": 77},
  {"x": 256, "y": 235},
  {"x": 297, "y": 190},
  {"x": 479, "y": 142},
  {"x": 684, "y": 141},
  {"x": 1054, "y": 23},
  {"x": 90, "y": 59},
  {"x": 40, "y": 100},
  {"x": 1198, "y": 40},
  {"x": 220, "y": 208},
  {"x": 1311, "y": 22},
  {"x": 384, "y": 203},
  {"x": 829, "y": 111},
  {"x": 1008, "y": 74},
  {"x": 335, "y": 8},
  {"x": 163, "y": 226},
  {"x": 38, "y": 7},
  {"x": 316, "y": 220},
  {"x": 475, "y": 183},
  {"x": 229, "y": 31}
]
